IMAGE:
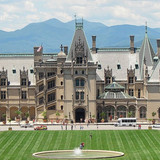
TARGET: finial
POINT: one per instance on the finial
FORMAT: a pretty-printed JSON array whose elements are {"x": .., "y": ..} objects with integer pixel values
[
  {"x": 61, "y": 47},
  {"x": 146, "y": 27},
  {"x": 3, "y": 69},
  {"x": 23, "y": 68}
]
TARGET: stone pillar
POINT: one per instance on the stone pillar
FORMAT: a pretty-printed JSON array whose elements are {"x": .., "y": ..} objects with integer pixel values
[{"x": 66, "y": 50}]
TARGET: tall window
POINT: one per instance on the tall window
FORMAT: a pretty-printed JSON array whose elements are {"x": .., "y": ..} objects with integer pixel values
[
  {"x": 51, "y": 97},
  {"x": 3, "y": 82},
  {"x": 77, "y": 95},
  {"x": 41, "y": 75},
  {"x": 139, "y": 93},
  {"x": 82, "y": 82},
  {"x": 41, "y": 100},
  {"x": 82, "y": 95},
  {"x": 41, "y": 87},
  {"x": 77, "y": 82},
  {"x": 24, "y": 95},
  {"x": 51, "y": 84},
  {"x": 3, "y": 94},
  {"x": 79, "y": 60},
  {"x": 131, "y": 92},
  {"x": 130, "y": 80},
  {"x": 23, "y": 82}
]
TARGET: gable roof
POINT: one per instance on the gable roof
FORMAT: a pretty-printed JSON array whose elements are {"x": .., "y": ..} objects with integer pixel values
[
  {"x": 146, "y": 54},
  {"x": 79, "y": 40}
]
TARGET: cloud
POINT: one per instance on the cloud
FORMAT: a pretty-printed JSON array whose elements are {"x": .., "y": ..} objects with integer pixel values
[{"x": 15, "y": 14}]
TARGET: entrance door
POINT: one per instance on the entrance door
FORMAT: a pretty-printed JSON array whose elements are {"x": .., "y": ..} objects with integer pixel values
[{"x": 80, "y": 115}]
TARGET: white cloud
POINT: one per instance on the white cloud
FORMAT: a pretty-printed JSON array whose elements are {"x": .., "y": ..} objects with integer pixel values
[{"x": 15, "y": 14}]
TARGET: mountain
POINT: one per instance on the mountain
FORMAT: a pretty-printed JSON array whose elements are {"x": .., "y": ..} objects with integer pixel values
[{"x": 52, "y": 33}]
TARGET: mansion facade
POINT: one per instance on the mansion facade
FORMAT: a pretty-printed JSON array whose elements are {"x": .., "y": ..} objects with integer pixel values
[{"x": 82, "y": 83}]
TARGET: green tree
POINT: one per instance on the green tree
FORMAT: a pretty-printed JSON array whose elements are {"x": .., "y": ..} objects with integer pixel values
[
  {"x": 129, "y": 114},
  {"x": 44, "y": 114}
]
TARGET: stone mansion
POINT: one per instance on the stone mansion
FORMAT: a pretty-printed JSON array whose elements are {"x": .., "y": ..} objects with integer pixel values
[{"x": 82, "y": 83}]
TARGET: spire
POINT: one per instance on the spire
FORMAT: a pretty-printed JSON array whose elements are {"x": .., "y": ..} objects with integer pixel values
[
  {"x": 146, "y": 28},
  {"x": 78, "y": 25}
]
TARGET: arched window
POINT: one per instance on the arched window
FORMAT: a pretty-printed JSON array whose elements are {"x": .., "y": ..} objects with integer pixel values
[
  {"x": 109, "y": 110},
  {"x": 132, "y": 110},
  {"x": 142, "y": 112},
  {"x": 159, "y": 112},
  {"x": 121, "y": 111}
]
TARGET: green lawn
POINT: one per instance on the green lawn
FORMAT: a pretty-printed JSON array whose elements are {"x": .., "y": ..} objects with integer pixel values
[{"x": 136, "y": 144}]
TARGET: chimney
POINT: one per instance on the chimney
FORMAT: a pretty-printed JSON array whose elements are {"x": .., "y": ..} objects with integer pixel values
[
  {"x": 38, "y": 54},
  {"x": 132, "y": 44},
  {"x": 93, "y": 44},
  {"x": 66, "y": 50},
  {"x": 158, "y": 48}
]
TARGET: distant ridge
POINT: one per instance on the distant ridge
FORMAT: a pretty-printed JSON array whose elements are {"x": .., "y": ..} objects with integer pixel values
[{"x": 52, "y": 33}]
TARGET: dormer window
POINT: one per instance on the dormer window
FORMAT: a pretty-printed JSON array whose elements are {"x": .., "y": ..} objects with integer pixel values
[
  {"x": 118, "y": 66},
  {"x": 79, "y": 60},
  {"x": 99, "y": 66},
  {"x": 155, "y": 59},
  {"x": 14, "y": 71},
  {"x": 136, "y": 66},
  {"x": 31, "y": 70}
]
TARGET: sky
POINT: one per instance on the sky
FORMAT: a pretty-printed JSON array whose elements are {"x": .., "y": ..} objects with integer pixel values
[{"x": 16, "y": 14}]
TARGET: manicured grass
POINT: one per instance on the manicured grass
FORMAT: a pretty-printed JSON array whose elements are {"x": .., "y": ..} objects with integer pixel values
[{"x": 136, "y": 144}]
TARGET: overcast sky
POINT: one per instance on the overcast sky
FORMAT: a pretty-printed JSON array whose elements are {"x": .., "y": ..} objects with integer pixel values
[{"x": 15, "y": 14}]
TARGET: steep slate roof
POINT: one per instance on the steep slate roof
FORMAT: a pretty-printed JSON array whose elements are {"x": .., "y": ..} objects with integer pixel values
[
  {"x": 79, "y": 36},
  {"x": 111, "y": 57},
  {"x": 155, "y": 76},
  {"x": 146, "y": 54}
]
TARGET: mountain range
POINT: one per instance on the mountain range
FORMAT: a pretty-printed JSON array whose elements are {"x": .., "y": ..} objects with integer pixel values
[{"x": 52, "y": 33}]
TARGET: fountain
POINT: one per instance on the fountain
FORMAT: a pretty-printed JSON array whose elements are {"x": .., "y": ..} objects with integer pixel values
[{"x": 78, "y": 154}]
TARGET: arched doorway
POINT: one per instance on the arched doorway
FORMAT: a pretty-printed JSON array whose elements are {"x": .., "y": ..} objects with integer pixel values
[
  {"x": 132, "y": 110},
  {"x": 121, "y": 111},
  {"x": 159, "y": 113},
  {"x": 142, "y": 112},
  {"x": 32, "y": 113},
  {"x": 24, "y": 110},
  {"x": 109, "y": 110},
  {"x": 2, "y": 113},
  {"x": 79, "y": 115},
  {"x": 13, "y": 112}
]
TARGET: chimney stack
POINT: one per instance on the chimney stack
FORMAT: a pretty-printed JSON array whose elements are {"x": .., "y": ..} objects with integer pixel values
[
  {"x": 93, "y": 44},
  {"x": 38, "y": 54},
  {"x": 66, "y": 50},
  {"x": 132, "y": 44},
  {"x": 158, "y": 48}
]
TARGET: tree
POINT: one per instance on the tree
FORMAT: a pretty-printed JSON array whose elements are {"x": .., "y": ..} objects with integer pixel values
[
  {"x": 44, "y": 114},
  {"x": 26, "y": 115},
  {"x": 153, "y": 114},
  {"x": 18, "y": 114},
  {"x": 57, "y": 114},
  {"x": 129, "y": 114},
  {"x": 103, "y": 114}
]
